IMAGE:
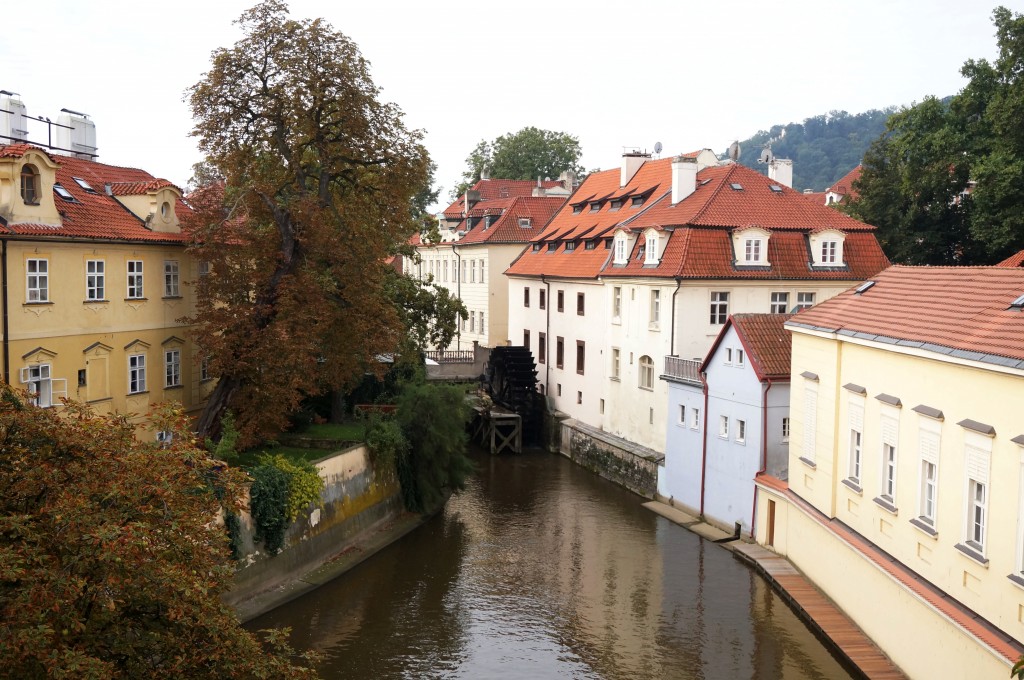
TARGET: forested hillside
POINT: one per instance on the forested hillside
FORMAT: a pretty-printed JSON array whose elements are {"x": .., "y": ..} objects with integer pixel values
[{"x": 822, "y": 148}]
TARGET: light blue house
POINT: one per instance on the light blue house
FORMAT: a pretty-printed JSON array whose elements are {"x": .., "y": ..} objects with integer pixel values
[{"x": 728, "y": 420}]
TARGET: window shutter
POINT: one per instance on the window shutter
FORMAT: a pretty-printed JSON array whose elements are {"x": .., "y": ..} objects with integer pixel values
[
  {"x": 810, "y": 422},
  {"x": 929, "y": 445},
  {"x": 977, "y": 464}
]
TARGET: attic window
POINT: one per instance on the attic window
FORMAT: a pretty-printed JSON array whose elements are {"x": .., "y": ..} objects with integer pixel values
[
  {"x": 63, "y": 193},
  {"x": 488, "y": 221},
  {"x": 616, "y": 204},
  {"x": 29, "y": 185},
  {"x": 595, "y": 206},
  {"x": 636, "y": 200},
  {"x": 607, "y": 244},
  {"x": 570, "y": 246},
  {"x": 577, "y": 209},
  {"x": 537, "y": 246},
  {"x": 705, "y": 181},
  {"x": 553, "y": 246},
  {"x": 736, "y": 186},
  {"x": 524, "y": 222},
  {"x": 640, "y": 252},
  {"x": 85, "y": 185},
  {"x": 862, "y": 288},
  {"x": 775, "y": 188},
  {"x": 591, "y": 244}
]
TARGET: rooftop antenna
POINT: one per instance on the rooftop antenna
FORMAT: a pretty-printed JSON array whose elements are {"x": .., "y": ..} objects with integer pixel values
[{"x": 734, "y": 151}]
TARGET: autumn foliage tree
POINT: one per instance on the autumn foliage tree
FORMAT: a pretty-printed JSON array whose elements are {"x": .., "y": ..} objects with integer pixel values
[
  {"x": 318, "y": 179},
  {"x": 110, "y": 562}
]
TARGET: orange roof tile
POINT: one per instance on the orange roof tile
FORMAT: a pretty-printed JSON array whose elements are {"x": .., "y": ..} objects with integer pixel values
[
  {"x": 95, "y": 215},
  {"x": 962, "y": 311},
  {"x": 815, "y": 196},
  {"x": 844, "y": 185},
  {"x": 768, "y": 344},
  {"x": 1016, "y": 260},
  {"x": 506, "y": 229},
  {"x": 699, "y": 228},
  {"x": 494, "y": 189}
]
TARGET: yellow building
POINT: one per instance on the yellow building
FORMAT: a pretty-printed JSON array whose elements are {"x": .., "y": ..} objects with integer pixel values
[
  {"x": 95, "y": 282},
  {"x": 905, "y": 497}
]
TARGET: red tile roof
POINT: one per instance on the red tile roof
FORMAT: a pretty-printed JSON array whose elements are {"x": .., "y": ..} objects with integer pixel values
[
  {"x": 844, "y": 185},
  {"x": 965, "y": 311},
  {"x": 506, "y": 229},
  {"x": 768, "y": 344},
  {"x": 95, "y": 215},
  {"x": 699, "y": 228},
  {"x": 494, "y": 189},
  {"x": 1016, "y": 260},
  {"x": 815, "y": 196}
]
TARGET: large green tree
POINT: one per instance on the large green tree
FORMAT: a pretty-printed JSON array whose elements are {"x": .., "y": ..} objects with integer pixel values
[
  {"x": 110, "y": 563},
  {"x": 319, "y": 181},
  {"x": 945, "y": 183},
  {"x": 527, "y": 154}
]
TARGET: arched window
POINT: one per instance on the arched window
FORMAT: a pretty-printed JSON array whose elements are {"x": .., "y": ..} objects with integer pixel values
[
  {"x": 29, "y": 185},
  {"x": 646, "y": 373}
]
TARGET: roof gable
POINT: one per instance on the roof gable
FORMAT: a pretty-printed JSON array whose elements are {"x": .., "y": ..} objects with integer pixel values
[{"x": 767, "y": 343}]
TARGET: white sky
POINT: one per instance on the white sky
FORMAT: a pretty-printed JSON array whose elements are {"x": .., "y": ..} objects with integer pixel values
[{"x": 688, "y": 74}]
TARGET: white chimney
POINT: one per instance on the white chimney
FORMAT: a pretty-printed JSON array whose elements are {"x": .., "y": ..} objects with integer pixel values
[
  {"x": 631, "y": 162},
  {"x": 13, "y": 127},
  {"x": 684, "y": 177},
  {"x": 781, "y": 170},
  {"x": 75, "y": 135}
]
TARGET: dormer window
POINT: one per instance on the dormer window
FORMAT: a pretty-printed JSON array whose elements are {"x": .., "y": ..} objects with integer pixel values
[
  {"x": 577, "y": 209},
  {"x": 85, "y": 185},
  {"x": 524, "y": 222},
  {"x": 595, "y": 206},
  {"x": 591, "y": 244},
  {"x": 537, "y": 246},
  {"x": 620, "y": 249},
  {"x": 616, "y": 204},
  {"x": 827, "y": 248},
  {"x": 570, "y": 246},
  {"x": 29, "y": 185},
  {"x": 63, "y": 193},
  {"x": 635, "y": 201},
  {"x": 653, "y": 255},
  {"x": 751, "y": 247},
  {"x": 488, "y": 221},
  {"x": 553, "y": 246}
]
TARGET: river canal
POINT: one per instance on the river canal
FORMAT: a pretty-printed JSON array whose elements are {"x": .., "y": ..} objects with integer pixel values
[{"x": 541, "y": 569}]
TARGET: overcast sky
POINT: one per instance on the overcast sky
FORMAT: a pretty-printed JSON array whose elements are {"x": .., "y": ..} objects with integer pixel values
[{"x": 688, "y": 74}]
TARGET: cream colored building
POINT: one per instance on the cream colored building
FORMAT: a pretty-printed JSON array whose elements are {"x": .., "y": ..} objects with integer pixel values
[
  {"x": 96, "y": 281},
  {"x": 905, "y": 498}
]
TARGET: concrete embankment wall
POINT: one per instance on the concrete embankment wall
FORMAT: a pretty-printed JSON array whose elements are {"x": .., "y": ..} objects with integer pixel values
[
  {"x": 355, "y": 497},
  {"x": 628, "y": 465}
]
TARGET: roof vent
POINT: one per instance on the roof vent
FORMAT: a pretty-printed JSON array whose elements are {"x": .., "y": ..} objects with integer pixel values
[{"x": 862, "y": 288}]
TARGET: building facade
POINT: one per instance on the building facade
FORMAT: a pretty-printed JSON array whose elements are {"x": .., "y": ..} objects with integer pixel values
[{"x": 907, "y": 465}]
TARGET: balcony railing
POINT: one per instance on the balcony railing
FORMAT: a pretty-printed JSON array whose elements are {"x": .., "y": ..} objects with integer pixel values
[
  {"x": 452, "y": 356},
  {"x": 686, "y": 370}
]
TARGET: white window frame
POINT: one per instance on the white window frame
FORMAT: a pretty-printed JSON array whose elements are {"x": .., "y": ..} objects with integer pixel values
[
  {"x": 810, "y": 416},
  {"x": 136, "y": 290},
  {"x": 617, "y": 304},
  {"x": 204, "y": 369},
  {"x": 804, "y": 300},
  {"x": 95, "y": 280},
  {"x": 172, "y": 368},
  {"x": 621, "y": 255},
  {"x": 37, "y": 279},
  {"x": 651, "y": 254},
  {"x": 723, "y": 427},
  {"x": 172, "y": 279},
  {"x": 739, "y": 357},
  {"x": 855, "y": 443},
  {"x": 616, "y": 363},
  {"x": 694, "y": 418},
  {"x": 752, "y": 248},
  {"x": 646, "y": 372},
  {"x": 39, "y": 383},
  {"x": 136, "y": 373},
  {"x": 741, "y": 431},
  {"x": 978, "y": 459},
  {"x": 682, "y": 415},
  {"x": 655, "y": 311},
  {"x": 977, "y": 515},
  {"x": 719, "y": 307},
  {"x": 929, "y": 488},
  {"x": 829, "y": 251},
  {"x": 779, "y": 303},
  {"x": 785, "y": 429},
  {"x": 929, "y": 446}
]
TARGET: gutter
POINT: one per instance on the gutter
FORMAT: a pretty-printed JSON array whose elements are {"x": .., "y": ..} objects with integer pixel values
[
  {"x": 704, "y": 447},
  {"x": 764, "y": 454},
  {"x": 672, "y": 337},
  {"x": 547, "y": 334}
]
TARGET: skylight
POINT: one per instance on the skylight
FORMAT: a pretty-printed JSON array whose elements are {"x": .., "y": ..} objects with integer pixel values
[
  {"x": 63, "y": 193},
  {"x": 776, "y": 188},
  {"x": 867, "y": 284},
  {"x": 85, "y": 185},
  {"x": 1018, "y": 303},
  {"x": 736, "y": 186}
]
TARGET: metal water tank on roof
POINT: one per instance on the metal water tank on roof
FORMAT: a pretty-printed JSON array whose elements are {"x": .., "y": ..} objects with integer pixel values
[
  {"x": 13, "y": 127},
  {"x": 75, "y": 135}
]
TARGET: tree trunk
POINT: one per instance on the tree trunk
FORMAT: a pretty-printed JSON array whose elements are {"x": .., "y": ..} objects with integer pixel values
[
  {"x": 337, "y": 406},
  {"x": 208, "y": 426}
]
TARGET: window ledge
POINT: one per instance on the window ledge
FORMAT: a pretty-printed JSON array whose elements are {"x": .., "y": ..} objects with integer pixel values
[
  {"x": 853, "y": 486},
  {"x": 94, "y": 302},
  {"x": 172, "y": 297},
  {"x": 741, "y": 442},
  {"x": 100, "y": 400},
  {"x": 886, "y": 505},
  {"x": 34, "y": 303},
  {"x": 141, "y": 299},
  {"x": 615, "y": 379},
  {"x": 135, "y": 394},
  {"x": 173, "y": 387},
  {"x": 204, "y": 380},
  {"x": 971, "y": 553},
  {"x": 809, "y": 463},
  {"x": 925, "y": 527},
  {"x": 646, "y": 389},
  {"x": 1017, "y": 579}
]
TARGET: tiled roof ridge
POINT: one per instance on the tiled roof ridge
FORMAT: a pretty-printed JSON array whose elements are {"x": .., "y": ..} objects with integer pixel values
[
  {"x": 714, "y": 193},
  {"x": 18, "y": 149}
]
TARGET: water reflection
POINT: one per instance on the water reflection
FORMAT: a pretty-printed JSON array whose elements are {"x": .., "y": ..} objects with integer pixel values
[{"x": 542, "y": 570}]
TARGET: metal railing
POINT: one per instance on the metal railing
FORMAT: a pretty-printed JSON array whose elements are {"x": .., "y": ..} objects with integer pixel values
[
  {"x": 452, "y": 356},
  {"x": 683, "y": 369}
]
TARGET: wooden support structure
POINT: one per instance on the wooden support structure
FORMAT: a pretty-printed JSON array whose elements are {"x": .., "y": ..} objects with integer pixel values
[{"x": 497, "y": 428}]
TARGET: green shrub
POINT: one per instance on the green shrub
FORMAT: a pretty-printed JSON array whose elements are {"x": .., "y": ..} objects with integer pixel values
[
  {"x": 385, "y": 441},
  {"x": 280, "y": 491}
]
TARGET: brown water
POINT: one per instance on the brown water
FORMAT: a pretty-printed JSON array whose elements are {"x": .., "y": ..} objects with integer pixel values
[{"x": 541, "y": 569}]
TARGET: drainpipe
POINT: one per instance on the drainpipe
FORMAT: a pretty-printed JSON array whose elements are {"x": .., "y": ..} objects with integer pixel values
[
  {"x": 458, "y": 292},
  {"x": 547, "y": 335},
  {"x": 764, "y": 454},
  {"x": 3, "y": 302},
  {"x": 704, "y": 451},
  {"x": 672, "y": 338}
]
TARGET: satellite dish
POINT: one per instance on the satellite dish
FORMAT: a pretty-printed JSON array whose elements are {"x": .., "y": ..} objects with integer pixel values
[
  {"x": 658, "y": 147},
  {"x": 766, "y": 156},
  {"x": 734, "y": 151}
]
